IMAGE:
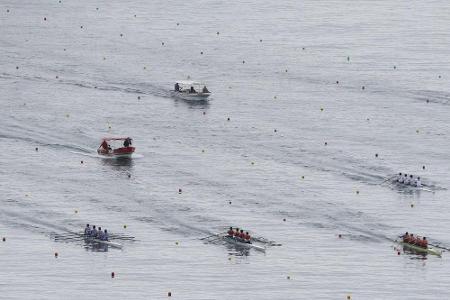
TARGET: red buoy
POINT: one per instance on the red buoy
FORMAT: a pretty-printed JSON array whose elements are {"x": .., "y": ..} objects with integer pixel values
[
  {"x": 56, "y": 254},
  {"x": 112, "y": 274},
  {"x": 169, "y": 294}
]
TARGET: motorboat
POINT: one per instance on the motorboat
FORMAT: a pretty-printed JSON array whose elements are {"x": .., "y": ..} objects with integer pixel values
[
  {"x": 190, "y": 91},
  {"x": 116, "y": 147}
]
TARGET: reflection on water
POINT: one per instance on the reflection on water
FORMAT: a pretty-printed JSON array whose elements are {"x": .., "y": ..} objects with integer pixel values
[
  {"x": 118, "y": 163},
  {"x": 193, "y": 104}
]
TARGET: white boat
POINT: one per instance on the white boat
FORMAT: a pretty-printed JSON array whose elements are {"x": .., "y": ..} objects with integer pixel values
[
  {"x": 408, "y": 188},
  {"x": 91, "y": 239},
  {"x": 236, "y": 242},
  {"x": 190, "y": 91}
]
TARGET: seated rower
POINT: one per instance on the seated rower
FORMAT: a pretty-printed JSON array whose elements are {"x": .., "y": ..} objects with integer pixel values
[
  {"x": 93, "y": 232},
  {"x": 205, "y": 90},
  {"x": 406, "y": 179},
  {"x": 399, "y": 177},
  {"x": 406, "y": 237},
  {"x": 87, "y": 230},
  {"x": 424, "y": 242},
  {"x": 418, "y": 183},
  {"x": 105, "y": 236},
  {"x": 100, "y": 233},
  {"x": 247, "y": 237},
  {"x": 242, "y": 235},
  {"x": 236, "y": 233},
  {"x": 230, "y": 232},
  {"x": 411, "y": 180}
]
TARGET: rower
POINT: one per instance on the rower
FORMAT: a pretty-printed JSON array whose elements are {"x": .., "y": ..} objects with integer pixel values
[
  {"x": 406, "y": 179},
  {"x": 242, "y": 234},
  {"x": 93, "y": 232},
  {"x": 105, "y": 236},
  {"x": 418, "y": 183},
  {"x": 87, "y": 230},
  {"x": 402, "y": 178},
  {"x": 406, "y": 237},
  {"x": 230, "y": 232},
  {"x": 411, "y": 180},
  {"x": 424, "y": 242},
  {"x": 412, "y": 239},
  {"x": 399, "y": 177},
  {"x": 236, "y": 233},
  {"x": 100, "y": 234},
  {"x": 247, "y": 237}
]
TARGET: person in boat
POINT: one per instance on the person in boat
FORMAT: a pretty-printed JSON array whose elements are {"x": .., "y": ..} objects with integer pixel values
[
  {"x": 230, "y": 232},
  {"x": 402, "y": 178},
  {"x": 105, "y": 235},
  {"x": 87, "y": 230},
  {"x": 411, "y": 180},
  {"x": 399, "y": 177},
  {"x": 406, "y": 180},
  {"x": 93, "y": 232},
  {"x": 192, "y": 90},
  {"x": 205, "y": 90},
  {"x": 406, "y": 237},
  {"x": 177, "y": 87},
  {"x": 417, "y": 182},
  {"x": 424, "y": 243},
  {"x": 247, "y": 237},
  {"x": 127, "y": 142},
  {"x": 236, "y": 233},
  {"x": 242, "y": 235},
  {"x": 99, "y": 234},
  {"x": 104, "y": 145}
]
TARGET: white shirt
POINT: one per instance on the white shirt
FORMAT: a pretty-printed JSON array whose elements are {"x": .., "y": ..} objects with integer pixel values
[
  {"x": 418, "y": 183},
  {"x": 87, "y": 231}
]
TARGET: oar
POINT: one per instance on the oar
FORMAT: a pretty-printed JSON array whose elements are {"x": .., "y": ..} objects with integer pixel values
[
  {"x": 389, "y": 178},
  {"x": 209, "y": 236},
  {"x": 440, "y": 247}
]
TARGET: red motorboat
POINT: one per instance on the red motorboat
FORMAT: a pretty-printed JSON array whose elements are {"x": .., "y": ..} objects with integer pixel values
[{"x": 116, "y": 147}]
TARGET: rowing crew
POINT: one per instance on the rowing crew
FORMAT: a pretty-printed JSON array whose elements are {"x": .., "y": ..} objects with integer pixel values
[
  {"x": 408, "y": 180},
  {"x": 411, "y": 239},
  {"x": 96, "y": 233},
  {"x": 239, "y": 235}
]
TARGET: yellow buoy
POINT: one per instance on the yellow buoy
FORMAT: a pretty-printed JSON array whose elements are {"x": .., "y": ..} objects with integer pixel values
[{"x": 125, "y": 226}]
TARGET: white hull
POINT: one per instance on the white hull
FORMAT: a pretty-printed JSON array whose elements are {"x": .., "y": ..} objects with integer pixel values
[
  {"x": 244, "y": 245},
  {"x": 191, "y": 96},
  {"x": 108, "y": 243}
]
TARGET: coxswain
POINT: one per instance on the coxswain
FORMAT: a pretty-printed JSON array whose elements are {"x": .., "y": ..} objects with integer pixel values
[
  {"x": 105, "y": 235},
  {"x": 399, "y": 177},
  {"x": 93, "y": 231},
  {"x": 418, "y": 183},
  {"x": 100, "y": 234},
  {"x": 87, "y": 230},
  {"x": 230, "y": 232}
]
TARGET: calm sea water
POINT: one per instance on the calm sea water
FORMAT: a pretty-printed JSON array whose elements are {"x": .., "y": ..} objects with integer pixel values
[{"x": 314, "y": 104}]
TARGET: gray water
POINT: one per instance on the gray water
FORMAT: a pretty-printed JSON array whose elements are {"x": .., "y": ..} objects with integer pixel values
[{"x": 289, "y": 75}]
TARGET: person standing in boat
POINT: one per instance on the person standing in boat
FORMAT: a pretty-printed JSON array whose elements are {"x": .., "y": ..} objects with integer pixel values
[
  {"x": 177, "y": 87},
  {"x": 87, "y": 230},
  {"x": 192, "y": 90}
]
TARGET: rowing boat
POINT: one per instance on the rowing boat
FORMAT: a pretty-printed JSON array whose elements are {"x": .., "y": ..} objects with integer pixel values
[
  {"x": 429, "y": 250},
  {"x": 106, "y": 243},
  {"x": 408, "y": 188},
  {"x": 236, "y": 242}
]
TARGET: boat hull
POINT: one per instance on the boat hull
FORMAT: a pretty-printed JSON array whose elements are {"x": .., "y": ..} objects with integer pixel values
[
  {"x": 243, "y": 244},
  {"x": 106, "y": 243},
  {"x": 428, "y": 250},
  {"x": 191, "y": 96},
  {"x": 125, "y": 152}
]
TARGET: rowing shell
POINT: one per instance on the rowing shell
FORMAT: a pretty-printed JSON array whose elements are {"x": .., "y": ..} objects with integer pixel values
[
  {"x": 421, "y": 249},
  {"x": 107, "y": 243},
  {"x": 409, "y": 188},
  {"x": 234, "y": 241}
]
